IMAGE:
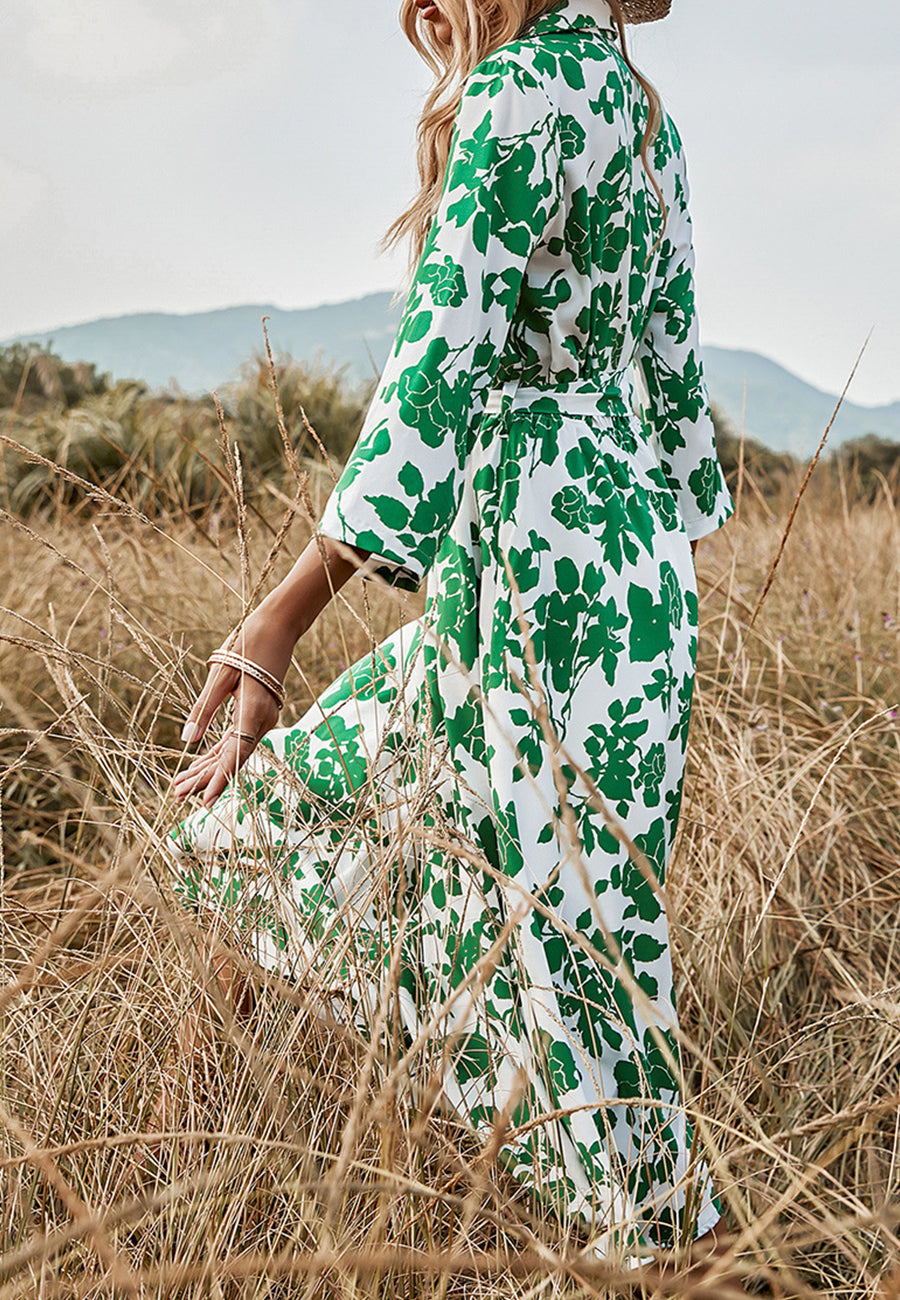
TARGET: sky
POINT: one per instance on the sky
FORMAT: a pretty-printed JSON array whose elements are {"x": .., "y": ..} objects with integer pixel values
[{"x": 185, "y": 155}]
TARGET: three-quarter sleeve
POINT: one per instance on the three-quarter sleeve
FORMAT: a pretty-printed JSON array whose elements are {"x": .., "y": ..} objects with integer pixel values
[
  {"x": 403, "y": 483},
  {"x": 678, "y": 413}
]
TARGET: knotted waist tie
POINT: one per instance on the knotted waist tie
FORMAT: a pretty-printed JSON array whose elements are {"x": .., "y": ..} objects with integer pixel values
[
  {"x": 565, "y": 399},
  {"x": 512, "y": 396}
]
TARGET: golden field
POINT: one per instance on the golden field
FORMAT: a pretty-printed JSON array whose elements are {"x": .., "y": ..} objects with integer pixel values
[{"x": 287, "y": 1161}]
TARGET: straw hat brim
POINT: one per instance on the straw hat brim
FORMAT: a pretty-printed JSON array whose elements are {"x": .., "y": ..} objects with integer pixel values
[{"x": 645, "y": 11}]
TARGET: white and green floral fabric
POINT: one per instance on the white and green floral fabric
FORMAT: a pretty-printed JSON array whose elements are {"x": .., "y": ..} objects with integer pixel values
[{"x": 472, "y": 771}]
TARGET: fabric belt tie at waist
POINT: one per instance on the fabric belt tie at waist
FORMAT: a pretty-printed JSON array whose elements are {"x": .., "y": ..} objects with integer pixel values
[{"x": 573, "y": 403}]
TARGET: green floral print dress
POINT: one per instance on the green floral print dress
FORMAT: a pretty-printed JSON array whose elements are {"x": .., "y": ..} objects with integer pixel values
[{"x": 494, "y": 791}]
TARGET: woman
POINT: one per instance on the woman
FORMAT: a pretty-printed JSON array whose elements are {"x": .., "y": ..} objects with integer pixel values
[{"x": 539, "y": 712}]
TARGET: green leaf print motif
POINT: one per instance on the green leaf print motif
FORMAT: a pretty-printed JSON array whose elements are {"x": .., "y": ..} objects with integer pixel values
[
  {"x": 651, "y": 631},
  {"x": 615, "y": 752}
]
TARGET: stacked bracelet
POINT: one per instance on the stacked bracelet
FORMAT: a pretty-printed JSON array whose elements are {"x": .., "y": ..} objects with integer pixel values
[{"x": 250, "y": 669}]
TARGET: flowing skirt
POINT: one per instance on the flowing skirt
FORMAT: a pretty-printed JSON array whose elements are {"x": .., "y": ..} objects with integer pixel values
[{"x": 472, "y": 825}]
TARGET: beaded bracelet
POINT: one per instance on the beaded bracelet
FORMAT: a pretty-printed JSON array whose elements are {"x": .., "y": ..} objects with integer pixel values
[{"x": 250, "y": 669}]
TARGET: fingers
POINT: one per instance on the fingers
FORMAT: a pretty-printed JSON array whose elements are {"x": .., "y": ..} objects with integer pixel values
[
  {"x": 186, "y": 781},
  {"x": 220, "y": 683},
  {"x": 221, "y": 774},
  {"x": 255, "y": 713},
  {"x": 209, "y": 774}
]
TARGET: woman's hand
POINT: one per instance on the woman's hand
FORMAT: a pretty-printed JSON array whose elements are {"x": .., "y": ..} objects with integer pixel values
[
  {"x": 267, "y": 636},
  {"x": 266, "y": 639},
  {"x": 255, "y": 713}
]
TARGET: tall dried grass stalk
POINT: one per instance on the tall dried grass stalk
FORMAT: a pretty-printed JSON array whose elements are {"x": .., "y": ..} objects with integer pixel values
[{"x": 295, "y": 1160}]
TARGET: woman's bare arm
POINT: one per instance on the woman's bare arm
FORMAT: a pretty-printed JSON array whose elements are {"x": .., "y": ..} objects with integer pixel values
[{"x": 268, "y": 637}]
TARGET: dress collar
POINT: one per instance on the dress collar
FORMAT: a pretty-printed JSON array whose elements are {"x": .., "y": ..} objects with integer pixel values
[{"x": 576, "y": 16}]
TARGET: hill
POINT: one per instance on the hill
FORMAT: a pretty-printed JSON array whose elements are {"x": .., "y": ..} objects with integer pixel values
[
  {"x": 785, "y": 412},
  {"x": 203, "y": 351}
]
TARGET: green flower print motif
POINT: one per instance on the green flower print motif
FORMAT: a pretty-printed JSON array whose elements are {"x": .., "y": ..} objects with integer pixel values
[
  {"x": 652, "y": 772},
  {"x": 665, "y": 505},
  {"x": 643, "y": 900},
  {"x": 572, "y": 137},
  {"x": 448, "y": 282},
  {"x": 704, "y": 483},
  {"x": 668, "y": 581},
  {"x": 570, "y": 507},
  {"x": 426, "y": 397},
  {"x": 615, "y": 246},
  {"x": 559, "y": 1062}
]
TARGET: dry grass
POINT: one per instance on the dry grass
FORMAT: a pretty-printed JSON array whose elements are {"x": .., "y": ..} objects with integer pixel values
[{"x": 288, "y": 1168}]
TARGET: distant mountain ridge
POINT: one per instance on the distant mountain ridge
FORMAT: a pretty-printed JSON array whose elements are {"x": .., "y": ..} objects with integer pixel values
[
  {"x": 784, "y": 411},
  {"x": 205, "y": 350}
]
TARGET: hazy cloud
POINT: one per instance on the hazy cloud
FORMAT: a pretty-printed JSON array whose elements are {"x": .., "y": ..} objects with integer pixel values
[
  {"x": 129, "y": 43},
  {"x": 24, "y": 191},
  {"x": 817, "y": 32}
]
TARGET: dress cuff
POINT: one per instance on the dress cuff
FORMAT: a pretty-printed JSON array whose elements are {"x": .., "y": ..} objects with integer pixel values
[
  {"x": 706, "y": 524},
  {"x": 395, "y": 570}
]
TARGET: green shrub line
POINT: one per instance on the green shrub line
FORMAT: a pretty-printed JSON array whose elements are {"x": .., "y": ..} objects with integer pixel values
[
  {"x": 162, "y": 450},
  {"x": 165, "y": 449}
]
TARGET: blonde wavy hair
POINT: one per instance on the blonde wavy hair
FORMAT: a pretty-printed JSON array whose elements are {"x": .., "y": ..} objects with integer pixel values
[{"x": 478, "y": 28}]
